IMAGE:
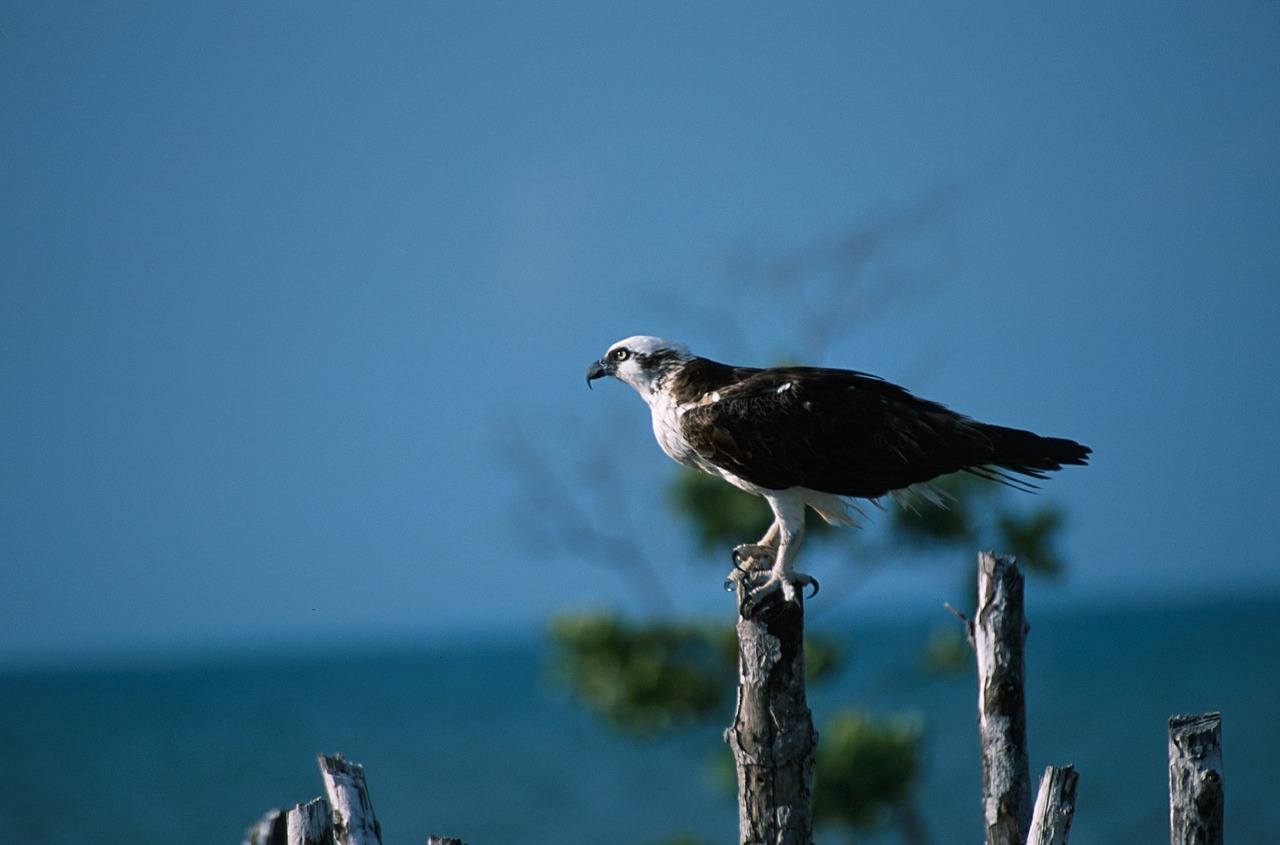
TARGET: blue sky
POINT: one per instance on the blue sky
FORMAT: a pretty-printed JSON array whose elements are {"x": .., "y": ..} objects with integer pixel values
[{"x": 280, "y": 285}]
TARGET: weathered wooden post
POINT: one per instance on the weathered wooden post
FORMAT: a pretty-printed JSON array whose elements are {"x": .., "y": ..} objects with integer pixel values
[
  {"x": 999, "y": 632},
  {"x": 304, "y": 824},
  {"x": 772, "y": 735},
  {"x": 1196, "y": 798},
  {"x": 353, "y": 820},
  {"x": 309, "y": 824},
  {"x": 1055, "y": 805},
  {"x": 344, "y": 818}
]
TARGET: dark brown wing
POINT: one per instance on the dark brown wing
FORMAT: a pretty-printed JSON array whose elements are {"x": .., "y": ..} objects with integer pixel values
[{"x": 836, "y": 431}]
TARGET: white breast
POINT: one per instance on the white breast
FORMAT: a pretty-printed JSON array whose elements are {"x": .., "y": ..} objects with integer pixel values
[
  {"x": 667, "y": 417},
  {"x": 666, "y": 428}
]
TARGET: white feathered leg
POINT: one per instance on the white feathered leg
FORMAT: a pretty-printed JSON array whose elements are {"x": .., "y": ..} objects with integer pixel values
[{"x": 781, "y": 542}]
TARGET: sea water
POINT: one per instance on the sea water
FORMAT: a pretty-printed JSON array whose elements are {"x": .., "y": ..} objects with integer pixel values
[{"x": 473, "y": 740}]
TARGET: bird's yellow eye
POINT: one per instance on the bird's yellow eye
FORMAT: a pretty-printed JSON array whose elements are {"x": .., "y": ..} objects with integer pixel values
[{"x": 619, "y": 355}]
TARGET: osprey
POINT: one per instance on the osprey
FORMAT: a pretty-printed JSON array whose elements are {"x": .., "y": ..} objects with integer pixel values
[{"x": 816, "y": 437}]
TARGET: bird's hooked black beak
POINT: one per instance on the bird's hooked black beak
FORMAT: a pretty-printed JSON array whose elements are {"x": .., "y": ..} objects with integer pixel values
[{"x": 599, "y": 369}]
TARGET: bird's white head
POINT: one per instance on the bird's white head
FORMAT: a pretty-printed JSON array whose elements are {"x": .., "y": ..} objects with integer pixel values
[{"x": 640, "y": 361}]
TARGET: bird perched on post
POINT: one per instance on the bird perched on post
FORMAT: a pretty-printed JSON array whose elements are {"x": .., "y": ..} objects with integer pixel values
[{"x": 816, "y": 437}]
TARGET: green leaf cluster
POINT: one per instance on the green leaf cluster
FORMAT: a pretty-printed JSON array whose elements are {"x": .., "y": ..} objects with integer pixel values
[
  {"x": 721, "y": 516},
  {"x": 977, "y": 515},
  {"x": 866, "y": 768},
  {"x": 649, "y": 678},
  {"x": 652, "y": 677},
  {"x": 646, "y": 678}
]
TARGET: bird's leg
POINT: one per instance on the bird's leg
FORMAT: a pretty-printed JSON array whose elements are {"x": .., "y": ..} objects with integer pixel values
[
  {"x": 783, "y": 574},
  {"x": 778, "y": 549}
]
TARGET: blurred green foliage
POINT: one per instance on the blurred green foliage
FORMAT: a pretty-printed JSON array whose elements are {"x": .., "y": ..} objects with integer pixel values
[
  {"x": 978, "y": 515},
  {"x": 649, "y": 677},
  {"x": 646, "y": 678},
  {"x": 947, "y": 652},
  {"x": 720, "y": 516},
  {"x": 865, "y": 769}
]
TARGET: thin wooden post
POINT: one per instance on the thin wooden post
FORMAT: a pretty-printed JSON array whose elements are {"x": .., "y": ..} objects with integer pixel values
[
  {"x": 772, "y": 735},
  {"x": 309, "y": 824},
  {"x": 1055, "y": 806},
  {"x": 353, "y": 820},
  {"x": 346, "y": 818},
  {"x": 305, "y": 824},
  {"x": 1196, "y": 797},
  {"x": 999, "y": 633}
]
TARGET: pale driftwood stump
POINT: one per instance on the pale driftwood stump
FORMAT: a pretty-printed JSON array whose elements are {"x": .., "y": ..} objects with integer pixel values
[
  {"x": 1055, "y": 805},
  {"x": 353, "y": 820},
  {"x": 309, "y": 824},
  {"x": 772, "y": 736},
  {"x": 1196, "y": 797},
  {"x": 305, "y": 824},
  {"x": 999, "y": 632},
  {"x": 346, "y": 818}
]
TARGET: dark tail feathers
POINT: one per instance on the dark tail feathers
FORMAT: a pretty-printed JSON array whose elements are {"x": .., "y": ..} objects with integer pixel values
[{"x": 1028, "y": 454}]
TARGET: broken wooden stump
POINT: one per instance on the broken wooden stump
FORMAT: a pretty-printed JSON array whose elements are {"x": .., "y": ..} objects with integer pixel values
[{"x": 1196, "y": 797}]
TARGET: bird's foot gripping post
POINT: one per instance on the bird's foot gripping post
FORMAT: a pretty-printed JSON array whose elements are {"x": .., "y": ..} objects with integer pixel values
[
  {"x": 760, "y": 581},
  {"x": 772, "y": 735}
]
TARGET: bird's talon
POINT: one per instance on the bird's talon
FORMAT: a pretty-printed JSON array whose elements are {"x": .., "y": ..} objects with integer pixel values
[
  {"x": 814, "y": 583},
  {"x": 774, "y": 583}
]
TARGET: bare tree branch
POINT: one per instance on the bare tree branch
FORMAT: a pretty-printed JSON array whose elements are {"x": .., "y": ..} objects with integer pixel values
[
  {"x": 819, "y": 293},
  {"x": 553, "y": 517}
]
